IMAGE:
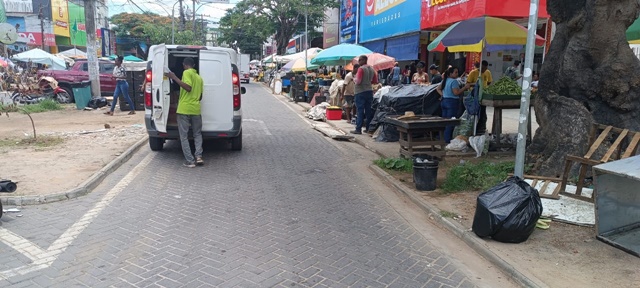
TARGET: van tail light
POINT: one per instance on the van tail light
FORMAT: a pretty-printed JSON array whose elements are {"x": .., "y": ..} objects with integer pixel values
[
  {"x": 147, "y": 90},
  {"x": 236, "y": 91}
]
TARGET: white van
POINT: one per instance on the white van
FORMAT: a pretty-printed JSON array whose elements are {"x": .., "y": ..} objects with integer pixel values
[{"x": 220, "y": 106}]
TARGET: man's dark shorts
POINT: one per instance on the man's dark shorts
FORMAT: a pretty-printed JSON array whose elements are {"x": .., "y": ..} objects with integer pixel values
[{"x": 348, "y": 99}]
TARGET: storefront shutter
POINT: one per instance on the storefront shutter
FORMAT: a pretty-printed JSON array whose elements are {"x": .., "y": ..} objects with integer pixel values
[
  {"x": 375, "y": 46},
  {"x": 404, "y": 48}
]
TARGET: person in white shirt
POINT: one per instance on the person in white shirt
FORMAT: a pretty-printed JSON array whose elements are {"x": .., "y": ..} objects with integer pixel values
[{"x": 122, "y": 87}]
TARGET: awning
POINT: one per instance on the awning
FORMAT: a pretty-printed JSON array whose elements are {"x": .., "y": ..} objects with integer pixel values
[
  {"x": 375, "y": 46},
  {"x": 404, "y": 48}
]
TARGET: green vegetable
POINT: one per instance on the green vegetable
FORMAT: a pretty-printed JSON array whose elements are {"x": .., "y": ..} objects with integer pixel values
[{"x": 504, "y": 86}]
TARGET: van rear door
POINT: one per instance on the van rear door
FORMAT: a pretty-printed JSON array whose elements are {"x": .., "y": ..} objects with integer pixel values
[
  {"x": 217, "y": 97},
  {"x": 160, "y": 88}
]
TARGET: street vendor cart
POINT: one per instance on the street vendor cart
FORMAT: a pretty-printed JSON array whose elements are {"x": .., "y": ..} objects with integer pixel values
[{"x": 421, "y": 134}]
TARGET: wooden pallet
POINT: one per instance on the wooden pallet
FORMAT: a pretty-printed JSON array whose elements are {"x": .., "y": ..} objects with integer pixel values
[
  {"x": 615, "y": 152},
  {"x": 543, "y": 191}
]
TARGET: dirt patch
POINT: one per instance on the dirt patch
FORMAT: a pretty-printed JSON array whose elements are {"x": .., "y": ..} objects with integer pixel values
[
  {"x": 71, "y": 146},
  {"x": 563, "y": 256}
]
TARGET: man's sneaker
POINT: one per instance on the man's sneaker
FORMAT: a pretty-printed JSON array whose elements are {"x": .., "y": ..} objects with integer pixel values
[
  {"x": 355, "y": 132},
  {"x": 189, "y": 165},
  {"x": 199, "y": 161}
]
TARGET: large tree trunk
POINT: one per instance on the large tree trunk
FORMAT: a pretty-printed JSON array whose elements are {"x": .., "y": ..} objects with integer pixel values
[{"x": 589, "y": 75}]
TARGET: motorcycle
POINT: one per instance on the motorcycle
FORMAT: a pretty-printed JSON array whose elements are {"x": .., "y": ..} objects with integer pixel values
[{"x": 47, "y": 89}]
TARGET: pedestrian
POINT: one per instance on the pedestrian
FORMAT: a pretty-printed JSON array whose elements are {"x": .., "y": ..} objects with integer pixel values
[
  {"x": 472, "y": 80},
  {"x": 450, "y": 91},
  {"x": 406, "y": 75},
  {"x": 365, "y": 78},
  {"x": 420, "y": 77},
  {"x": 513, "y": 72},
  {"x": 188, "y": 111},
  {"x": 122, "y": 87},
  {"x": 395, "y": 79},
  {"x": 436, "y": 77},
  {"x": 349, "y": 93}
]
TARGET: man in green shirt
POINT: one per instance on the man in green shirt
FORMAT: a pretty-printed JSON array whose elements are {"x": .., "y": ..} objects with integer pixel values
[{"x": 188, "y": 111}]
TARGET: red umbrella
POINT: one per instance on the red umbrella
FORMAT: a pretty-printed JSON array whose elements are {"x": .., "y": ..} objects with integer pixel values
[
  {"x": 378, "y": 61},
  {"x": 3, "y": 63}
]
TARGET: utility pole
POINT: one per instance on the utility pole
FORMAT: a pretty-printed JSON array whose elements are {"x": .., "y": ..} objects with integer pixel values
[
  {"x": 194, "y": 19},
  {"x": 182, "y": 20},
  {"x": 92, "y": 57},
  {"x": 204, "y": 32},
  {"x": 41, "y": 17}
]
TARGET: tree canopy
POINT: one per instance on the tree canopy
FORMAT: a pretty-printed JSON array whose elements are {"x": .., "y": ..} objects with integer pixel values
[
  {"x": 155, "y": 29},
  {"x": 252, "y": 21}
]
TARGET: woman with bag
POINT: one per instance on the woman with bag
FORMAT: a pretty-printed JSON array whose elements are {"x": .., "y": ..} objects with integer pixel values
[{"x": 450, "y": 90}]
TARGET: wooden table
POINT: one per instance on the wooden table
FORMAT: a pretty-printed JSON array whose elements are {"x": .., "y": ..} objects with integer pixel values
[
  {"x": 422, "y": 135},
  {"x": 498, "y": 105}
]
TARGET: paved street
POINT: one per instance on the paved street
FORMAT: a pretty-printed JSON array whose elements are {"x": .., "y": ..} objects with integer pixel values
[{"x": 293, "y": 209}]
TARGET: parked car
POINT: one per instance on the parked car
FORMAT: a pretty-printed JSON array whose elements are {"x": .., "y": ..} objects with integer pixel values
[
  {"x": 220, "y": 104},
  {"x": 79, "y": 72}
]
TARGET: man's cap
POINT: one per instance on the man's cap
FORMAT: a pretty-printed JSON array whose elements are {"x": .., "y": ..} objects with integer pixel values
[{"x": 433, "y": 67}]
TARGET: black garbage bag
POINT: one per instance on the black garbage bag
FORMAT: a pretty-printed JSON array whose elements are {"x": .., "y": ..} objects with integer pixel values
[
  {"x": 97, "y": 102},
  {"x": 508, "y": 212}
]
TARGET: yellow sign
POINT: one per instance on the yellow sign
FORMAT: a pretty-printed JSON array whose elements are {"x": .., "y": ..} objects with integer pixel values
[{"x": 60, "y": 15}]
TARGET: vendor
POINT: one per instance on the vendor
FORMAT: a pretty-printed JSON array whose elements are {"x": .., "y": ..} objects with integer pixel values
[
  {"x": 436, "y": 77},
  {"x": 472, "y": 79},
  {"x": 450, "y": 91},
  {"x": 420, "y": 77}
]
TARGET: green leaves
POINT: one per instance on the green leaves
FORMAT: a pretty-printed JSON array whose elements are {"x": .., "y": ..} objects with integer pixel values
[
  {"x": 476, "y": 176},
  {"x": 396, "y": 164}
]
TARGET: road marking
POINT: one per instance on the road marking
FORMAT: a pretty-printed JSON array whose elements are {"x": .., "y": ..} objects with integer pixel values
[
  {"x": 262, "y": 124},
  {"x": 44, "y": 258}
]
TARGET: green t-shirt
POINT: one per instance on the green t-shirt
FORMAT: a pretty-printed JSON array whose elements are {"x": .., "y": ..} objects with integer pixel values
[{"x": 189, "y": 103}]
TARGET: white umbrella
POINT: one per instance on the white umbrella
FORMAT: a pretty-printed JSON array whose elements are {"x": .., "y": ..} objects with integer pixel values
[{"x": 41, "y": 57}]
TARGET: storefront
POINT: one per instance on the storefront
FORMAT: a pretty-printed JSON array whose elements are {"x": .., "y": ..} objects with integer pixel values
[
  {"x": 437, "y": 15},
  {"x": 60, "y": 22},
  {"x": 391, "y": 28}
]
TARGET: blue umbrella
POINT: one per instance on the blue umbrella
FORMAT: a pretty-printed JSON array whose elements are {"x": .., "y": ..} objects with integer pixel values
[{"x": 339, "y": 55}]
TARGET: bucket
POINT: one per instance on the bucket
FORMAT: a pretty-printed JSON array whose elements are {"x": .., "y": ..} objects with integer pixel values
[
  {"x": 334, "y": 114},
  {"x": 425, "y": 172}
]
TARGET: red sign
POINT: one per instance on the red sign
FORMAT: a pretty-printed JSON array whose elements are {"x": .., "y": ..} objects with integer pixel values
[
  {"x": 438, "y": 13},
  {"x": 35, "y": 38}
]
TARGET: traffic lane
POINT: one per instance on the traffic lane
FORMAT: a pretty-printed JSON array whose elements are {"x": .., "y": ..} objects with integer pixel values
[{"x": 286, "y": 210}]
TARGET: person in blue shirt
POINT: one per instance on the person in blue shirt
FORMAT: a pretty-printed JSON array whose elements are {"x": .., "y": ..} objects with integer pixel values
[
  {"x": 450, "y": 91},
  {"x": 395, "y": 72}
]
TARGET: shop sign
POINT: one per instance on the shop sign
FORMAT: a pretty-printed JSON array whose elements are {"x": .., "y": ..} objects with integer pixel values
[
  {"x": 437, "y": 13},
  {"x": 348, "y": 16},
  {"x": 18, "y": 6},
  {"x": 60, "y": 17},
  {"x": 77, "y": 29},
  {"x": 388, "y": 18},
  {"x": 35, "y": 38},
  {"x": 106, "y": 43},
  {"x": 330, "y": 28}
]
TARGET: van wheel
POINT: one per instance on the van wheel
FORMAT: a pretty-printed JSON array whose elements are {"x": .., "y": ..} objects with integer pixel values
[
  {"x": 156, "y": 144},
  {"x": 236, "y": 143}
]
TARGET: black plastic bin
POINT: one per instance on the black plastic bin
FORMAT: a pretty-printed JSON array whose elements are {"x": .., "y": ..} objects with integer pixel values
[{"x": 425, "y": 172}]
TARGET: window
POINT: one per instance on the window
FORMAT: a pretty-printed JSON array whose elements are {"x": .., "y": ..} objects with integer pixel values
[
  {"x": 107, "y": 67},
  {"x": 85, "y": 67}
]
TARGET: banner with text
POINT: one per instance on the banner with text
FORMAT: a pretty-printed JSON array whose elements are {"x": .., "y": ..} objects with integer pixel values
[
  {"x": 330, "y": 28},
  {"x": 387, "y": 18},
  {"x": 77, "y": 29},
  {"x": 18, "y": 6},
  {"x": 439, "y": 13},
  {"x": 348, "y": 16},
  {"x": 60, "y": 17}
]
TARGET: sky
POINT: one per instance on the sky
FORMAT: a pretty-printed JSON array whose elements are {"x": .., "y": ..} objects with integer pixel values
[{"x": 163, "y": 7}]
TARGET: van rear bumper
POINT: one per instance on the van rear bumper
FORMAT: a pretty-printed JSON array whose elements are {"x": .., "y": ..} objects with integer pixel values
[{"x": 172, "y": 132}]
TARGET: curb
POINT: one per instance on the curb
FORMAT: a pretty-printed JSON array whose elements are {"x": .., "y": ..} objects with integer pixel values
[
  {"x": 457, "y": 229},
  {"x": 84, "y": 188}
]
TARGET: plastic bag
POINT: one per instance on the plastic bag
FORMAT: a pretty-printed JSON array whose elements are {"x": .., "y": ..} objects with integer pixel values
[
  {"x": 508, "y": 212},
  {"x": 478, "y": 144},
  {"x": 456, "y": 145},
  {"x": 466, "y": 126}
]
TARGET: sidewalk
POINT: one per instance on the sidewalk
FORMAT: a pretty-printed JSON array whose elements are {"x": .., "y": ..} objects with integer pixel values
[{"x": 563, "y": 256}]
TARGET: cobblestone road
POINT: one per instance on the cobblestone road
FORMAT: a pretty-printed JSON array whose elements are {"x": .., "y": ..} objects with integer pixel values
[{"x": 291, "y": 210}]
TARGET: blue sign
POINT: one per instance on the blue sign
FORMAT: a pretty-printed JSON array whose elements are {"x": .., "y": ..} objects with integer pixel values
[
  {"x": 19, "y": 21},
  {"x": 387, "y": 18},
  {"x": 348, "y": 16}
]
